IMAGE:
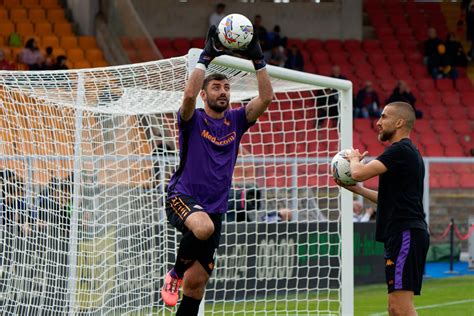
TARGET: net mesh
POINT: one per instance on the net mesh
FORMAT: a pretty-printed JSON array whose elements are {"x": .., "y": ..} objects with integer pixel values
[{"x": 85, "y": 157}]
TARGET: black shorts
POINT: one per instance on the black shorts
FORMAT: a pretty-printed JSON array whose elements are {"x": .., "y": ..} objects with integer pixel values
[
  {"x": 178, "y": 208},
  {"x": 405, "y": 257}
]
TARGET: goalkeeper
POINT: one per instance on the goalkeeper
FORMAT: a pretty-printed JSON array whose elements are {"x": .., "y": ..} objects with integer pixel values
[{"x": 198, "y": 191}]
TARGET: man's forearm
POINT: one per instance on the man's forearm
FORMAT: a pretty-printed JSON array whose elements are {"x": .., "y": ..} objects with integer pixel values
[
  {"x": 369, "y": 194},
  {"x": 191, "y": 92}
]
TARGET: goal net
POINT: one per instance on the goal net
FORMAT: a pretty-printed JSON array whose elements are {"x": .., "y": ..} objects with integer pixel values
[{"x": 85, "y": 157}]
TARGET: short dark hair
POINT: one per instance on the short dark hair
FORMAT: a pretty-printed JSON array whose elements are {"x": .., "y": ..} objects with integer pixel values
[
  {"x": 214, "y": 76},
  {"x": 220, "y": 6},
  {"x": 405, "y": 111}
]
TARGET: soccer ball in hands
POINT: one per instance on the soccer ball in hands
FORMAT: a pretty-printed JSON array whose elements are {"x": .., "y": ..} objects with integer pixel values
[
  {"x": 235, "y": 31},
  {"x": 341, "y": 169}
]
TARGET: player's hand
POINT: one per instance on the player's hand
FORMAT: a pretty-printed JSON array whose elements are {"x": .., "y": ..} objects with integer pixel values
[
  {"x": 213, "y": 47},
  {"x": 351, "y": 187},
  {"x": 355, "y": 154},
  {"x": 254, "y": 53}
]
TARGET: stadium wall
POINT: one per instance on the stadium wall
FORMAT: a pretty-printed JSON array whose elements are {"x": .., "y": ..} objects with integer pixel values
[{"x": 335, "y": 20}]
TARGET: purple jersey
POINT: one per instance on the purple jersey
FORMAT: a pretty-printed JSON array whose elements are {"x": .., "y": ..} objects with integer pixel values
[{"x": 208, "y": 152}]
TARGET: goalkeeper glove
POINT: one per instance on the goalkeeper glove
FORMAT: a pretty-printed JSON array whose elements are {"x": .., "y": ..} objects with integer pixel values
[
  {"x": 212, "y": 49},
  {"x": 254, "y": 53}
]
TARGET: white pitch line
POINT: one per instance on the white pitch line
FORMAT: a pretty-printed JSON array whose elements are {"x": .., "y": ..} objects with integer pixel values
[{"x": 431, "y": 306}]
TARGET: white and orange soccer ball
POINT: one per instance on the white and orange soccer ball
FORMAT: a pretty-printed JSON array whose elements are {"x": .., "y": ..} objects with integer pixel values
[
  {"x": 341, "y": 169},
  {"x": 235, "y": 31}
]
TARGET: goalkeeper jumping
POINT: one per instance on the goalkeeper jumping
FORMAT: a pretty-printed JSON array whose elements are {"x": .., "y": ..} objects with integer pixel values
[{"x": 198, "y": 191}]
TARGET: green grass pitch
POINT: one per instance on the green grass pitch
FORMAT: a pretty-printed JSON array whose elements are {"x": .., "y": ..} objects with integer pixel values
[
  {"x": 446, "y": 297},
  {"x": 452, "y": 296}
]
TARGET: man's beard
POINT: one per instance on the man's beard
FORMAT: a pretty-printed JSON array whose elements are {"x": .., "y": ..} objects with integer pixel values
[
  {"x": 213, "y": 105},
  {"x": 386, "y": 135}
]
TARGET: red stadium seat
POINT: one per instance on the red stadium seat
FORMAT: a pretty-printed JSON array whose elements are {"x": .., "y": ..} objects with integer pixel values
[
  {"x": 463, "y": 127},
  {"x": 314, "y": 44},
  {"x": 401, "y": 71},
  {"x": 438, "y": 112},
  {"x": 198, "y": 42},
  {"x": 419, "y": 72},
  {"x": 370, "y": 46},
  {"x": 434, "y": 182},
  {"x": 409, "y": 46},
  {"x": 464, "y": 85},
  {"x": 434, "y": 150},
  {"x": 442, "y": 125},
  {"x": 357, "y": 56},
  {"x": 163, "y": 43},
  {"x": 449, "y": 181},
  {"x": 181, "y": 45},
  {"x": 338, "y": 57},
  {"x": 453, "y": 150},
  {"x": 457, "y": 113},
  {"x": 169, "y": 52},
  {"x": 384, "y": 33},
  {"x": 466, "y": 181},
  {"x": 352, "y": 45},
  {"x": 445, "y": 85},
  {"x": 389, "y": 46},
  {"x": 451, "y": 99},
  {"x": 470, "y": 112},
  {"x": 414, "y": 58},
  {"x": 446, "y": 139},
  {"x": 372, "y": 183},
  {"x": 361, "y": 125},
  {"x": 319, "y": 57},
  {"x": 296, "y": 41},
  {"x": 376, "y": 59},
  {"x": 333, "y": 45},
  {"x": 426, "y": 84},
  {"x": 432, "y": 98}
]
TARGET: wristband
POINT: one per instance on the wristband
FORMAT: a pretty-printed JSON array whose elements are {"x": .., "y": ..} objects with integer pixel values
[
  {"x": 201, "y": 66},
  {"x": 204, "y": 60},
  {"x": 259, "y": 64}
]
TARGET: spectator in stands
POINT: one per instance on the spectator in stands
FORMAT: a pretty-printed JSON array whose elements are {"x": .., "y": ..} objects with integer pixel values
[
  {"x": 431, "y": 45},
  {"x": 54, "y": 213},
  {"x": 470, "y": 29},
  {"x": 402, "y": 92},
  {"x": 61, "y": 61},
  {"x": 14, "y": 40},
  {"x": 55, "y": 204},
  {"x": 261, "y": 32},
  {"x": 326, "y": 103},
  {"x": 441, "y": 66},
  {"x": 336, "y": 72},
  {"x": 277, "y": 57},
  {"x": 13, "y": 215},
  {"x": 49, "y": 60},
  {"x": 30, "y": 55},
  {"x": 455, "y": 51},
  {"x": 367, "y": 102},
  {"x": 242, "y": 200},
  {"x": 217, "y": 15},
  {"x": 361, "y": 216},
  {"x": 5, "y": 64},
  {"x": 275, "y": 39},
  {"x": 294, "y": 59},
  {"x": 283, "y": 215}
]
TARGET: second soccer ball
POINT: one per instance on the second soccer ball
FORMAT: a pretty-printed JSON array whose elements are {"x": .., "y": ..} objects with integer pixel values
[
  {"x": 341, "y": 169},
  {"x": 235, "y": 31}
]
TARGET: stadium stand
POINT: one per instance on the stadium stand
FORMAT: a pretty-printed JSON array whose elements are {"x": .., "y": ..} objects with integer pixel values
[
  {"x": 396, "y": 54},
  {"x": 46, "y": 21}
]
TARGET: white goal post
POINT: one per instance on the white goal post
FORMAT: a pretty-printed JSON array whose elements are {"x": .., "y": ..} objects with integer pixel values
[{"x": 85, "y": 156}]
